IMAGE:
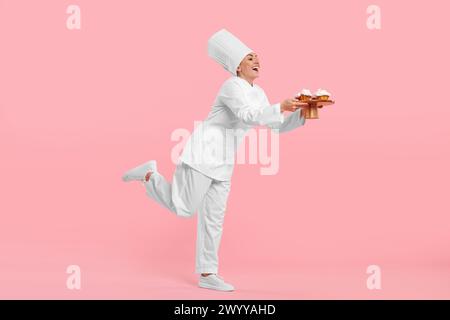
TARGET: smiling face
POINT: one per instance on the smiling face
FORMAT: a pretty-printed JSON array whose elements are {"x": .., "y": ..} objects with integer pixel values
[{"x": 249, "y": 67}]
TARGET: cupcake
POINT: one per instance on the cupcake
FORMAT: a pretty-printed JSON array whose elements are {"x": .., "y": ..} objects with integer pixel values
[
  {"x": 322, "y": 95},
  {"x": 304, "y": 95}
]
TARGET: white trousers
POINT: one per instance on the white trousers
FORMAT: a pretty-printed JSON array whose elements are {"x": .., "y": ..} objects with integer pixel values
[{"x": 190, "y": 192}]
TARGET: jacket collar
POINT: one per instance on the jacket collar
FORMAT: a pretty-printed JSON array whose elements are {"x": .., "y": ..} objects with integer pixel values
[{"x": 245, "y": 81}]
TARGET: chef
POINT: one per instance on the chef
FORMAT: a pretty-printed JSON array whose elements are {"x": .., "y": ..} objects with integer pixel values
[{"x": 202, "y": 178}]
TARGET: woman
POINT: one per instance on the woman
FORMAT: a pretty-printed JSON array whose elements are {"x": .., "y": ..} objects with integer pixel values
[{"x": 202, "y": 179}]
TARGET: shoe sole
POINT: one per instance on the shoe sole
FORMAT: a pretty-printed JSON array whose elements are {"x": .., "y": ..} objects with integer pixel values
[
  {"x": 127, "y": 177},
  {"x": 207, "y": 286}
]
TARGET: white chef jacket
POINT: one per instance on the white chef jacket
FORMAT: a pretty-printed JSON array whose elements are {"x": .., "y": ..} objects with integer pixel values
[{"x": 239, "y": 106}]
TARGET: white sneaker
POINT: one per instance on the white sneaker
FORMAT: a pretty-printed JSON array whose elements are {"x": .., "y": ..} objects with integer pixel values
[
  {"x": 139, "y": 172},
  {"x": 215, "y": 282}
]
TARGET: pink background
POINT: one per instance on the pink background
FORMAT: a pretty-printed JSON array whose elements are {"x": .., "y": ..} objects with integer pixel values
[{"x": 365, "y": 184}]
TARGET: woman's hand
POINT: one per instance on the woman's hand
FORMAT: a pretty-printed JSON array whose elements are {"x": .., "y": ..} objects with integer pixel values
[{"x": 292, "y": 105}]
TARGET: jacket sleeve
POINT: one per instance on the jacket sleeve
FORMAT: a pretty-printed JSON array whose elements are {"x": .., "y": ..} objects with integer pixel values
[
  {"x": 233, "y": 96},
  {"x": 291, "y": 122}
]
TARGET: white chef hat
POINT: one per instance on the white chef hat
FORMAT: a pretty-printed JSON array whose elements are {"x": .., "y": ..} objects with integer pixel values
[{"x": 227, "y": 50}]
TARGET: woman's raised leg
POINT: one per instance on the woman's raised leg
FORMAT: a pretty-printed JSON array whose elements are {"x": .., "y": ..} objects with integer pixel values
[{"x": 184, "y": 194}]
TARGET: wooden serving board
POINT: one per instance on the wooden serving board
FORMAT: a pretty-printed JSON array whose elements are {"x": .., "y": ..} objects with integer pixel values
[
  {"x": 312, "y": 112},
  {"x": 319, "y": 103}
]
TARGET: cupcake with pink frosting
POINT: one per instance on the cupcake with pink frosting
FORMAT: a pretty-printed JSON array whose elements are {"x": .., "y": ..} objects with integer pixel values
[
  {"x": 322, "y": 95},
  {"x": 304, "y": 95}
]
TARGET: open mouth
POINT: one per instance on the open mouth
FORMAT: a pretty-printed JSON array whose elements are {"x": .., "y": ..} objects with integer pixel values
[{"x": 255, "y": 69}]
